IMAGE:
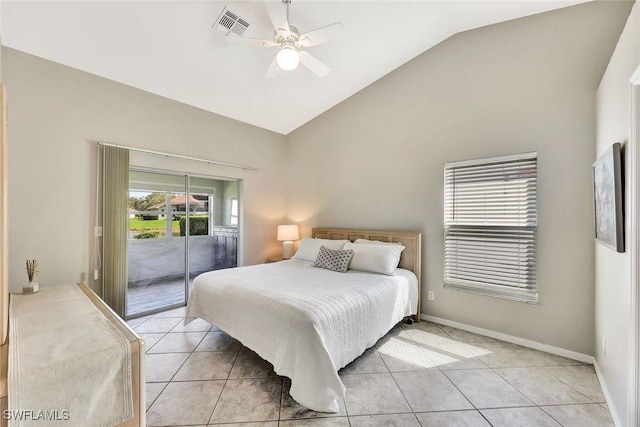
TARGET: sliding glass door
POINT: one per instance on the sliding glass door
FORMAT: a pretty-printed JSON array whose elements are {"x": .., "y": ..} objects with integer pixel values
[
  {"x": 179, "y": 226},
  {"x": 213, "y": 227}
]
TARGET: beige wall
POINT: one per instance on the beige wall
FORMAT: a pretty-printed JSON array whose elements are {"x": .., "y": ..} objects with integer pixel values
[
  {"x": 376, "y": 160},
  {"x": 612, "y": 279},
  {"x": 55, "y": 112}
]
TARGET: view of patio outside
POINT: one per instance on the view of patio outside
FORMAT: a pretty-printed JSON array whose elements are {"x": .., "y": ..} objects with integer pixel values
[{"x": 158, "y": 221}]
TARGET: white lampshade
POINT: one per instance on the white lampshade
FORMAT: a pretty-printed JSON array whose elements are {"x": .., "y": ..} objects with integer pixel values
[
  {"x": 288, "y": 58},
  {"x": 288, "y": 233}
]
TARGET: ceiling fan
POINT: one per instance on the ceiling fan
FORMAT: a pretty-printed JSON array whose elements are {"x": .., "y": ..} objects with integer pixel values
[{"x": 290, "y": 42}]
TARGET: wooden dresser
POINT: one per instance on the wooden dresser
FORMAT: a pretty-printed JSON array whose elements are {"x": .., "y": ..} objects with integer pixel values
[{"x": 137, "y": 361}]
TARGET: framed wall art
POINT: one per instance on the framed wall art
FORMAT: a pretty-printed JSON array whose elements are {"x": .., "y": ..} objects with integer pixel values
[{"x": 607, "y": 195}]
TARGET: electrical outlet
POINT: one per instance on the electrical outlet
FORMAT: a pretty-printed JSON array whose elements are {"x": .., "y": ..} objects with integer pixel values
[
  {"x": 604, "y": 346},
  {"x": 431, "y": 295},
  {"x": 97, "y": 231}
]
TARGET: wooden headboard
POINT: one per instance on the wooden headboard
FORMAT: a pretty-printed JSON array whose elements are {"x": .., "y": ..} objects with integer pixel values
[{"x": 410, "y": 259}]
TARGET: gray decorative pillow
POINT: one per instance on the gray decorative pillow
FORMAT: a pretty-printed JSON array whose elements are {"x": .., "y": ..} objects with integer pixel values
[{"x": 332, "y": 259}]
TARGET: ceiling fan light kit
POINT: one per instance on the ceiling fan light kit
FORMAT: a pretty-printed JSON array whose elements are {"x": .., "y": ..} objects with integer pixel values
[
  {"x": 289, "y": 40},
  {"x": 288, "y": 58}
]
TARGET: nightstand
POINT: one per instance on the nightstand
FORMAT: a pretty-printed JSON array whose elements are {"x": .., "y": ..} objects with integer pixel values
[{"x": 275, "y": 259}]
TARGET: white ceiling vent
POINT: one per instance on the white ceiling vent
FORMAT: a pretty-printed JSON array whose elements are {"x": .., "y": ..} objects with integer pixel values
[{"x": 229, "y": 22}]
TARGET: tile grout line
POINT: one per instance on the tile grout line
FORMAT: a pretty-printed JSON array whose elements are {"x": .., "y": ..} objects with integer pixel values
[
  {"x": 177, "y": 370},
  {"x": 156, "y": 398},
  {"x": 569, "y": 385},
  {"x": 531, "y": 399},
  {"x": 494, "y": 370},
  {"x": 401, "y": 392},
  {"x": 235, "y": 360},
  {"x": 460, "y": 391},
  {"x": 551, "y": 416}
]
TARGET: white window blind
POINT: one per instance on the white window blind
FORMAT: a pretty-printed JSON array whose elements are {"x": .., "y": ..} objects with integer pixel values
[{"x": 491, "y": 226}]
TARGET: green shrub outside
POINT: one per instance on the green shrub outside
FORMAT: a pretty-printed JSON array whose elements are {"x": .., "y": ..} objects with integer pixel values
[
  {"x": 198, "y": 226},
  {"x": 147, "y": 235}
]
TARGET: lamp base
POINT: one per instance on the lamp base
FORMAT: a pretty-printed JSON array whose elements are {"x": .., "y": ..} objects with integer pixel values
[{"x": 287, "y": 249}]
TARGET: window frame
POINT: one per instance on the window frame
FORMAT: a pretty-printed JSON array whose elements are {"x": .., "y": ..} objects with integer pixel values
[
  {"x": 169, "y": 214},
  {"x": 512, "y": 233}
]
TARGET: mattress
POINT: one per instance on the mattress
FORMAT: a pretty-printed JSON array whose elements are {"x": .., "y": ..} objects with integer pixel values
[{"x": 308, "y": 322}]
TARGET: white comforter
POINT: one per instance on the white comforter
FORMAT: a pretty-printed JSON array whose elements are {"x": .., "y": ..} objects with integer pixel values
[{"x": 308, "y": 322}]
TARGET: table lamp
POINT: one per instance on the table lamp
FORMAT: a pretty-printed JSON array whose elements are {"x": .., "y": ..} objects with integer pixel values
[{"x": 287, "y": 234}]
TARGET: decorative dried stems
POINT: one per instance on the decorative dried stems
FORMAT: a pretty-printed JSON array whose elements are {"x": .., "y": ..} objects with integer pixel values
[{"x": 32, "y": 269}]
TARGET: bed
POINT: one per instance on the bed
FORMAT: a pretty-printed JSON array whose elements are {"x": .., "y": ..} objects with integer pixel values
[{"x": 310, "y": 322}]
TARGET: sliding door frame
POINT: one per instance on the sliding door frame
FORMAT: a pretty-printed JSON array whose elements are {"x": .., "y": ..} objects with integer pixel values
[
  {"x": 188, "y": 176},
  {"x": 186, "y": 179}
]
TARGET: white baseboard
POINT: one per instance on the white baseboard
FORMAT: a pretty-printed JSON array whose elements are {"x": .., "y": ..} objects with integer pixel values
[
  {"x": 585, "y": 358},
  {"x": 607, "y": 397}
]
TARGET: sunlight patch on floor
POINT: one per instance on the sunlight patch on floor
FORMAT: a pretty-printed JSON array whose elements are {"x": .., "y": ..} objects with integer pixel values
[
  {"x": 411, "y": 353},
  {"x": 448, "y": 345},
  {"x": 428, "y": 350}
]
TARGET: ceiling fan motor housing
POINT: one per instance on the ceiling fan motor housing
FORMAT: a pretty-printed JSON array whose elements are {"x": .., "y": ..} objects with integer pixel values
[{"x": 293, "y": 36}]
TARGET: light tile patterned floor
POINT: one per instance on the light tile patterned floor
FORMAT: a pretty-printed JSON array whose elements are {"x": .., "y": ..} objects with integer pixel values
[{"x": 417, "y": 375}]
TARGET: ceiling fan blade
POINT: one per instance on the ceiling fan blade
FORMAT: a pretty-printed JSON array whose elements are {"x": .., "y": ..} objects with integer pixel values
[
  {"x": 321, "y": 35},
  {"x": 256, "y": 42},
  {"x": 272, "y": 71},
  {"x": 279, "y": 17},
  {"x": 312, "y": 63}
]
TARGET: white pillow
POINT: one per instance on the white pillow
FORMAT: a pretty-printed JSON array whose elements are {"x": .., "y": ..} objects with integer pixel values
[
  {"x": 309, "y": 248},
  {"x": 375, "y": 258},
  {"x": 375, "y": 242}
]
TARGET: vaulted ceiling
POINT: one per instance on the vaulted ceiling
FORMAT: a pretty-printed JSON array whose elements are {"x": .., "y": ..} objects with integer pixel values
[{"x": 170, "y": 48}]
